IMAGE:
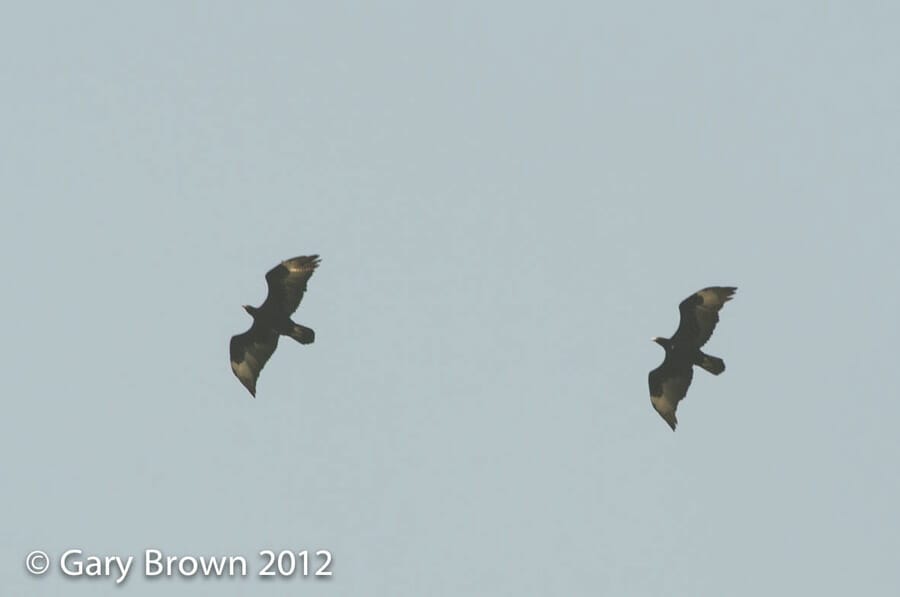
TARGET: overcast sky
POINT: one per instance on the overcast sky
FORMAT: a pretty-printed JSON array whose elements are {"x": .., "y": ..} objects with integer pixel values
[{"x": 510, "y": 199}]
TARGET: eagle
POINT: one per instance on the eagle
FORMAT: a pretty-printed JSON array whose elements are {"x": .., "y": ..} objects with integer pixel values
[
  {"x": 251, "y": 350},
  {"x": 670, "y": 381}
]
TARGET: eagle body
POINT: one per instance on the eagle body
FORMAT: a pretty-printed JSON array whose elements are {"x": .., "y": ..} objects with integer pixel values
[
  {"x": 670, "y": 381},
  {"x": 251, "y": 350}
]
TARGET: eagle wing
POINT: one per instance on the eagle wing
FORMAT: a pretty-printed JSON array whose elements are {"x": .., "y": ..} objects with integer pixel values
[
  {"x": 668, "y": 385},
  {"x": 249, "y": 353},
  {"x": 700, "y": 314},
  {"x": 287, "y": 283}
]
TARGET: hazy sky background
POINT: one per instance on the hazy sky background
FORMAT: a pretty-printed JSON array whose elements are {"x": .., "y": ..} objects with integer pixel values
[{"x": 509, "y": 199}]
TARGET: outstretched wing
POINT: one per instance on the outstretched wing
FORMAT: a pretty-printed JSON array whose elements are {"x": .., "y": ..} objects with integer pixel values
[
  {"x": 249, "y": 353},
  {"x": 700, "y": 314},
  {"x": 668, "y": 385},
  {"x": 287, "y": 283}
]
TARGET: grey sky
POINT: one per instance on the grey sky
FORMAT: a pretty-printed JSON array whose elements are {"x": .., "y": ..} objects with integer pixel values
[{"x": 510, "y": 200}]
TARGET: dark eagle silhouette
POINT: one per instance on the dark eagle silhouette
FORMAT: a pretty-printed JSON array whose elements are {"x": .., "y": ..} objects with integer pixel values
[
  {"x": 251, "y": 350},
  {"x": 670, "y": 381}
]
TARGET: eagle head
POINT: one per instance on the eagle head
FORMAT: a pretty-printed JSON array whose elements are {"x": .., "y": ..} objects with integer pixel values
[{"x": 664, "y": 342}]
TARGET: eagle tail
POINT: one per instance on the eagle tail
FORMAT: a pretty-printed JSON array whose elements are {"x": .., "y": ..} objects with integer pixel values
[
  {"x": 302, "y": 334},
  {"x": 714, "y": 365}
]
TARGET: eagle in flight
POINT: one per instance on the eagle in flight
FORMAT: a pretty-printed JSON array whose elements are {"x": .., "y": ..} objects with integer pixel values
[
  {"x": 251, "y": 350},
  {"x": 670, "y": 381}
]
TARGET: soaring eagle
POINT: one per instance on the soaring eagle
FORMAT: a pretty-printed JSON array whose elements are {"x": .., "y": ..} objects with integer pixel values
[
  {"x": 670, "y": 381},
  {"x": 251, "y": 350}
]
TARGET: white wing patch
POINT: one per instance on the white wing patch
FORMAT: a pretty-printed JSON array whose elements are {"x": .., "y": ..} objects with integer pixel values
[
  {"x": 665, "y": 408},
  {"x": 673, "y": 390},
  {"x": 714, "y": 298},
  {"x": 243, "y": 370}
]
